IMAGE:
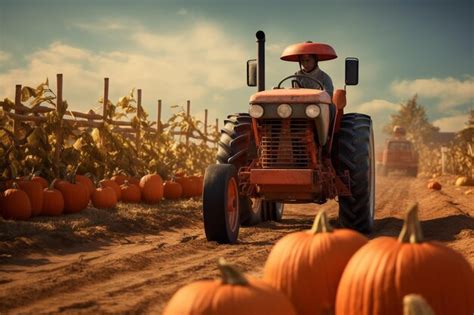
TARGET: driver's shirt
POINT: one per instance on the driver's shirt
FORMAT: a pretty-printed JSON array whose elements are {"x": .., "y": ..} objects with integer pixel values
[{"x": 319, "y": 75}]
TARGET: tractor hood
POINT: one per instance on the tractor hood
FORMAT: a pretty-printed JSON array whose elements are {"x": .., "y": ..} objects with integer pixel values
[{"x": 291, "y": 96}]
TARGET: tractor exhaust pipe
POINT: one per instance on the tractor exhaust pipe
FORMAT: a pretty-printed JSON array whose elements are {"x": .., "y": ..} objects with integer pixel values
[{"x": 260, "y": 61}]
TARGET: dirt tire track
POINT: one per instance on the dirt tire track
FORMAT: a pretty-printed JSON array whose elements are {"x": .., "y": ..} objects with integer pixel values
[{"x": 139, "y": 273}]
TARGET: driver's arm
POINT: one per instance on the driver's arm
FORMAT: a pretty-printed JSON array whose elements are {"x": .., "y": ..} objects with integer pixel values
[{"x": 328, "y": 86}]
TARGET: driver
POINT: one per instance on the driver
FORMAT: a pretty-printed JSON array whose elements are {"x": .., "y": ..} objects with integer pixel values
[
  {"x": 309, "y": 67},
  {"x": 309, "y": 54}
]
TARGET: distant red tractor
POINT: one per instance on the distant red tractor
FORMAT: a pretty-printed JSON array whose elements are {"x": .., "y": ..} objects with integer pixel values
[
  {"x": 295, "y": 145},
  {"x": 398, "y": 154}
]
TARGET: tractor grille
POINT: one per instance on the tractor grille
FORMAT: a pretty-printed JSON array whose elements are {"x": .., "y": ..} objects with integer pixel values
[{"x": 285, "y": 143}]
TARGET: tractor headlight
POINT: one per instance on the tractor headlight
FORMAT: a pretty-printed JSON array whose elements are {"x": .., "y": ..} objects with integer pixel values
[
  {"x": 284, "y": 110},
  {"x": 312, "y": 111},
  {"x": 256, "y": 111}
]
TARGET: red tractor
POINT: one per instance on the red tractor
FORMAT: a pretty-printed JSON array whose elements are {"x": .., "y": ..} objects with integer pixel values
[
  {"x": 398, "y": 155},
  {"x": 295, "y": 145}
]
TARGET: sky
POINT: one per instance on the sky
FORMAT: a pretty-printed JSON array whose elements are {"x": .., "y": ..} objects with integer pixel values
[{"x": 197, "y": 50}]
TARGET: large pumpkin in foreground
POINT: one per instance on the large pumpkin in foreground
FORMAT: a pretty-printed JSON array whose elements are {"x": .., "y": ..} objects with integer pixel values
[
  {"x": 382, "y": 272},
  {"x": 307, "y": 265},
  {"x": 233, "y": 294}
]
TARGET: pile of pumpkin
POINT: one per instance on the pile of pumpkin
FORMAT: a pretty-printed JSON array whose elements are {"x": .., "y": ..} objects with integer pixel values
[
  {"x": 31, "y": 196},
  {"x": 339, "y": 271}
]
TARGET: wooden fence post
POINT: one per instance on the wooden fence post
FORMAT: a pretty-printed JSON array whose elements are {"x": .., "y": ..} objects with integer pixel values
[
  {"x": 139, "y": 108},
  {"x": 59, "y": 129},
  {"x": 17, "y": 122},
  {"x": 106, "y": 99},
  {"x": 104, "y": 108},
  {"x": 158, "y": 121}
]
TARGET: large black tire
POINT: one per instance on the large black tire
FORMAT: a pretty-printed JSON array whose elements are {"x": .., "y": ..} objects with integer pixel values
[
  {"x": 236, "y": 146},
  {"x": 355, "y": 152},
  {"x": 272, "y": 210},
  {"x": 251, "y": 213},
  {"x": 221, "y": 203}
]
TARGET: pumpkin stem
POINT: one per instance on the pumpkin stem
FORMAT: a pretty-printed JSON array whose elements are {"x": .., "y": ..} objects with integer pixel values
[
  {"x": 411, "y": 231},
  {"x": 321, "y": 223},
  {"x": 230, "y": 275},
  {"x": 414, "y": 304},
  {"x": 51, "y": 185}
]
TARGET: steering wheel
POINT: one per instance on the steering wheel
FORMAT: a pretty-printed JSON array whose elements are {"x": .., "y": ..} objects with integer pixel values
[{"x": 302, "y": 77}]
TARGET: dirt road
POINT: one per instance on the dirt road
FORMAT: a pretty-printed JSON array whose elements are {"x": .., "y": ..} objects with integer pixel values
[{"x": 135, "y": 263}]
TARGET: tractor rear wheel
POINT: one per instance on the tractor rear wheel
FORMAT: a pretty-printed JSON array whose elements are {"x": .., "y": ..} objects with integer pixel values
[
  {"x": 236, "y": 146},
  {"x": 356, "y": 154},
  {"x": 221, "y": 203}
]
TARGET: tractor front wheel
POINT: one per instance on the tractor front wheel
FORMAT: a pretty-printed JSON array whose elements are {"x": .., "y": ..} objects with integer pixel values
[{"x": 221, "y": 203}]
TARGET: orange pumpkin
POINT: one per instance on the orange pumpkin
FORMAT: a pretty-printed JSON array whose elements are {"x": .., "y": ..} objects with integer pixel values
[
  {"x": 119, "y": 179},
  {"x": 87, "y": 182},
  {"x": 53, "y": 201},
  {"x": 381, "y": 273},
  {"x": 42, "y": 181},
  {"x": 104, "y": 197},
  {"x": 151, "y": 187},
  {"x": 307, "y": 265},
  {"x": 172, "y": 190},
  {"x": 34, "y": 190},
  {"x": 187, "y": 186},
  {"x": 434, "y": 185},
  {"x": 200, "y": 185},
  {"x": 196, "y": 187},
  {"x": 233, "y": 294},
  {"x": 130, "y": 193},
  {"x": 134, "y": 180},
  {"x": 15, "y": 204},
  {"x": 112, "y": 184},
  {"x": 76, "y": 195}
]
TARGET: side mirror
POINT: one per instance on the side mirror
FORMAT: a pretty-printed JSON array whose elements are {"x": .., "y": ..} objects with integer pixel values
[
  {"x": 352, "y": 71},
  {"x": 252, "y": 72}
]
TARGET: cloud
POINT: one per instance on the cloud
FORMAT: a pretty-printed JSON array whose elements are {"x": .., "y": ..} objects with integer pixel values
[
  {"x": 449, "y": 93},
  {"x": 451, "y": 124},
  {"x": 200, "y": 64},
  {"x": 105, "y": 25},
  {"x": 377, "y": 106},
  {"x": 203, "y": 54},
  {"x": 275, "y": 48},
  {"x": 4, "y": 56}
]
